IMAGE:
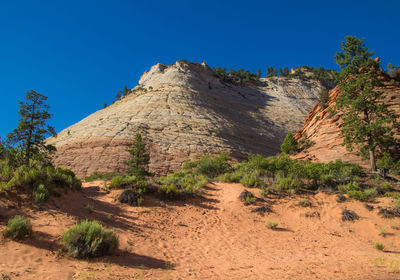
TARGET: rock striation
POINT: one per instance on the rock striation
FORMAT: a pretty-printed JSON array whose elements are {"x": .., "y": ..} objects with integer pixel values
[
  {"x": 320, "y": 134},
  {"x": 183, "y": 110}
]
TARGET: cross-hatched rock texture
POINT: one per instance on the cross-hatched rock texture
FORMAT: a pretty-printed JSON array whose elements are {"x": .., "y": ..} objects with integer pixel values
[
  {"x": 183, "y": 110},
  {"x": 321, "y": 130}
]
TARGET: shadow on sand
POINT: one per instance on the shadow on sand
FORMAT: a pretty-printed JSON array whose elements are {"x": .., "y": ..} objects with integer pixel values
[{"x": 45, "y": 241}]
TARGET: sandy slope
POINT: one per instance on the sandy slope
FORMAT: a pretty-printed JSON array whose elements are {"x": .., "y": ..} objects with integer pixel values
[{"x": 216, "y": 237}]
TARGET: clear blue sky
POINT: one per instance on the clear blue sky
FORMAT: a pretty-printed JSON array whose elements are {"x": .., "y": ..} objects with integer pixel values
[{"x": 80, "y": 53}]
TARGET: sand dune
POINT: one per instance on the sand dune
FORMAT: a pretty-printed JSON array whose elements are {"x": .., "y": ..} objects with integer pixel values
[{"x": 214, "y": 237}]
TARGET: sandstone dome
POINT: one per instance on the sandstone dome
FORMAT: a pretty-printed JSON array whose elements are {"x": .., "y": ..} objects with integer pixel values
[{"x": 183, "y": 110}]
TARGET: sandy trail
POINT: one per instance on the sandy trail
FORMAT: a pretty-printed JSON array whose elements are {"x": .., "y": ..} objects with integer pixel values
[{"x": 214, "y": 237}]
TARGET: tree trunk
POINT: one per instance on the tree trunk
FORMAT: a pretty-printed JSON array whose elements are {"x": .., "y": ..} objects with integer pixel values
[
  {"x": 372, "y": 161},
  {"x": 29, "y": 141}
]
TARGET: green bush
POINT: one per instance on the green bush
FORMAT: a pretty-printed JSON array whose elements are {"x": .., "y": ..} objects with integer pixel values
[
  {"x": 357, "y": 194},
  {"x": 63, "y": 177},
  {"x": 40, "y": 194},
  {"x": 24, "y": 177},
  {"x": 259, "y": 169},
  {"x": 250, "y": 181},
  {"x": 89, "y": 239},
  {"x": 210, "y": 166},
  {"x": 99, "y": 176},
  {"x": 186, "y": 182},
  {"x": 170, "y": 191},
  {"x": 362, "y": 195},
  {"x": 257, "y": 162},
  {"x": 250, "y": 200},
  {"x": 397, "y": 205},
  {"x": 379, "y": 246},
  {"x": 118, "y": 182},
  {"x": 385, "y": 187},
  {"x": 352, "y": 186},
  {"x": 314, "y": 174},
  {"x": 289, "y": 145},
  {"x": 289, "y": 183},
  {"x": 371, "y": 192},
  {"x": 385, "y": 163},
  {"x": 18, "y": 227},
  {"x": 271, "y": 225},
  {"x": 354, "y": 191},
  {"x": 213, "y": 166},
  {"x": 395, "y": 195},
  {"x": 396, "y": 168},
  {"x": 233, "y": 177}
]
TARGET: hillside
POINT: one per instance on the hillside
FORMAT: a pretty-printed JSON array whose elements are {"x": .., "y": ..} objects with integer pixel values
[
  {"x": 321, "y": 130},
  {"x": 183, "y": 110}
]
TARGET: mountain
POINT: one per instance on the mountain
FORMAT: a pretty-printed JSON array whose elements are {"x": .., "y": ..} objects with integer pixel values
[
  {"x": 183, "y": 110},
  {"x": 320, "y": 134}
]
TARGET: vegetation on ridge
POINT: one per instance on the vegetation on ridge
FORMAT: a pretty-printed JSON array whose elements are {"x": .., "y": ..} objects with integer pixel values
[{"x": 241, "y": 76}]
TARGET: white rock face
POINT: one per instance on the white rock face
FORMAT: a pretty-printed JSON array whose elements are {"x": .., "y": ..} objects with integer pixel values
[{"x": 183, "y": 110}]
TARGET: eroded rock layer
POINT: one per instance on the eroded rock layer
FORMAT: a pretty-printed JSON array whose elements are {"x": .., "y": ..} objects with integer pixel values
[
  {"x": 184, "y": 110},
  {"x": 321, "y": 130}
]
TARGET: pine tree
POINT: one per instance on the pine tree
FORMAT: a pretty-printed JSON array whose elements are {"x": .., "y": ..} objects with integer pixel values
[
  {"x": 323, "y": 98},
  {"x": 284, "y": 72},
  {"x": 138, "y": 164},
  {"x": 385, "y": 163},
  {"x": 367, "y": 121},
  {"x": 289, "y": 144},
  {"x": 272, "y": 72},
  {"x": 353, "y": 56},
  {"x": 258, "y": 73},
  {"x": 32, "y": 128},
  {"x": 123, "y": 92},
  {"x": 393, "y": 71},
  {"x": 2, "y": 149}
]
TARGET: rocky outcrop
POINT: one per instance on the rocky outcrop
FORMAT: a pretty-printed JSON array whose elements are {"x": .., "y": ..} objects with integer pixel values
[
  {"x": 320, "y": 134},
  {"x": 184, "y": 110}
]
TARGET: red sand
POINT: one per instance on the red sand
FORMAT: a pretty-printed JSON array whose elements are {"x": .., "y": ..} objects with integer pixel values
[{"x": 215, "y": 237}]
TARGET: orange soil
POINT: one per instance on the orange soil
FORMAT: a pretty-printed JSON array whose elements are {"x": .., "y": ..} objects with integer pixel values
[{"x": 215, "y": 237}]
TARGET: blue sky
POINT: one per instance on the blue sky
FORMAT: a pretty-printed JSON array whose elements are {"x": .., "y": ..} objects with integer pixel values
[{"x": 80, "y": 53}]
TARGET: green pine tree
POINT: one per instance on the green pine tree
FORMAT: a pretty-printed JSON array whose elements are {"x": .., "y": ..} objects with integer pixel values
[
  {"x": 289, "y": 144},
  {"x": 354, "y": 55},
  {"x": 367, "y": 121},
  {"x": 385, "y": 163},
  {"x": 323, "y": 98},
  {"x": 138, "y": 164},
  {"x": 2, "y": 150},
  {"x": 271, "y": 72},
  {"x": 393, "y": 71},
  {"x": 32, "y": 128},
  {"x": 284, "y": 72},
  {"x": 123, "y": 92}
]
